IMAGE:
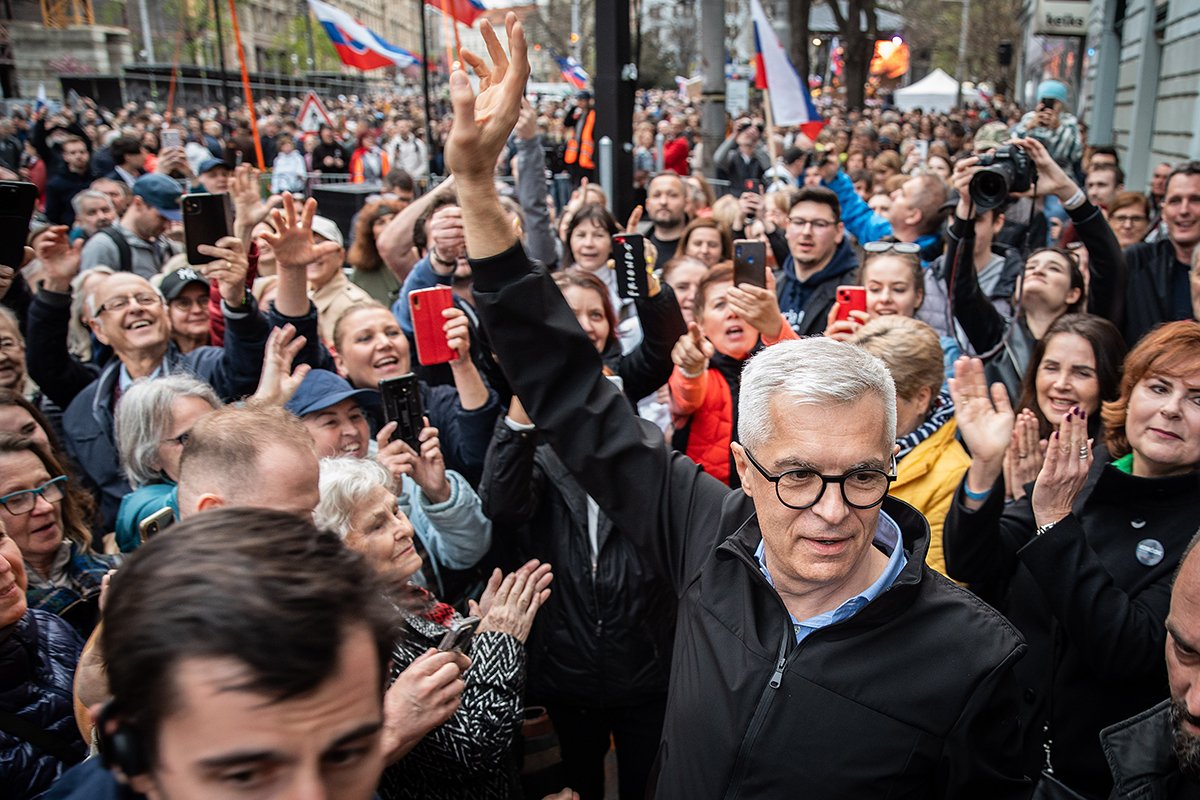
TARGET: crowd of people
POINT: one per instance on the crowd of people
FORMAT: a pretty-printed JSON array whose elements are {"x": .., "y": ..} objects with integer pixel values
[{"x": 756, "y": 541}]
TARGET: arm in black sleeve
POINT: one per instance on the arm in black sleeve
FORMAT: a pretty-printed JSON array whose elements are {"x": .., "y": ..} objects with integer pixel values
[
  {"x": 314, "y": 353},
  {"x": 982, "y": 545},
  {"x": 17, "y": 299},
  {"x": 59, "y": 374},
  {"x": 648, "y": 365},
  {"x": 973, "y": 310},
  {"x": 1106, "y": 262},
  {"x": 779, "y": 246},
  {"x": 464, "y": 434},
  {"x": 662, "y": 501},
  {"x": 512, "y": 484}
]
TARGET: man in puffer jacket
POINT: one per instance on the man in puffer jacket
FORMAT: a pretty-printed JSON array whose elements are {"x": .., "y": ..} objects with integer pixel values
[{"x": 38, "y": 653}]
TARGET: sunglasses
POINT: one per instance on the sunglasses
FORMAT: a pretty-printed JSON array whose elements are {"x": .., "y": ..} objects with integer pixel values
[{"x": 905, "y": 248}]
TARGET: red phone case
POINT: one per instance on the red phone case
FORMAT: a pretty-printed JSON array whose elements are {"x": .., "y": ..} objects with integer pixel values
[
  {"x": 426, "y": 307},
  {"x": 850, "y": 298}
]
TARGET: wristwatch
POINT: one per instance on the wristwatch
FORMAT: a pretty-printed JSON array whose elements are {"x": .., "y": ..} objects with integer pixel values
[{"x": 1043, "y": 528}]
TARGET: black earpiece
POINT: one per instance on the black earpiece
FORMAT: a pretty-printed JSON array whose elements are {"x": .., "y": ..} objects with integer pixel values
[{"x": 119, "y": 748}]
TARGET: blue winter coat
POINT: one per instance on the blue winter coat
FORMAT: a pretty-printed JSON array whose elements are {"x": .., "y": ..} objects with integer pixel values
[{"x": 37, "y": 668}]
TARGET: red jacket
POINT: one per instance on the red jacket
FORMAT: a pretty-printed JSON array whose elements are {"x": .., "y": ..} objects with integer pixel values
[{"x": 675, "y": 156}]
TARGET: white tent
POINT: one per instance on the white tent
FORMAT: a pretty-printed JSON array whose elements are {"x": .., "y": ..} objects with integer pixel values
[{"x": 937, "y": 91}]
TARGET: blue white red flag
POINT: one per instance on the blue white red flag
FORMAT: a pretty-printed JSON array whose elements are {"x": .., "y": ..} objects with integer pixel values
[
  {"x": 464, "y": 11},
  {"x": 791, "y": 104},
  {"x": 572, "y": 72},
  {"x": 357, "y": 45}
]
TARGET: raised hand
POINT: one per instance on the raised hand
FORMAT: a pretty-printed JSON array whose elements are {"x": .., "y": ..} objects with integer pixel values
[
  {"x": 1051, "y": 177},
  {"x": 692, "y": 352},
  {"x": 425, "y": 694},
  {"x": 758, "y": 306},
  {"x": 843, "y": 329},
  {"x": 515, "y": 602},
  {"x": 1023, "y": 459},
  {"x": 277, "y": 385},
  {"x": 249, "y": 208},
  {"x": 9, "y": 271},
  {"x": 527, "y": 122},
  {"x": 60, "y": 259},
  {"x": 427, "y": 468},
  {"x": 292, "y": 240},
  {"x": 1068, "y": 461},
  {"x": 482, "y": 123},
  {"x": 964, "y": 171},
  {"x": 985, "y": 420},
  {"x": 458, "y": 332},
  {"x": 229, "y": 270}
]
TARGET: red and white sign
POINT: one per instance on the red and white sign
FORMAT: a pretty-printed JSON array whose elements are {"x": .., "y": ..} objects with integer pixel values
[{"x": 313, "y": 114}]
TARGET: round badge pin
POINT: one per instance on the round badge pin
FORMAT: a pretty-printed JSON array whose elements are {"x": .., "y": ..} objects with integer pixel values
[{"x": 1150, "y": 552}]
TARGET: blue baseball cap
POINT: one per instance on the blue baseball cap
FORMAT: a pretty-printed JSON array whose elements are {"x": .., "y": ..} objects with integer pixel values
[
  {"x": 161, "y": 193},
  {"x": 321, "y": 389},
  {"x": 1052, "y": 90},
  {"x": 210, "y": 164}
]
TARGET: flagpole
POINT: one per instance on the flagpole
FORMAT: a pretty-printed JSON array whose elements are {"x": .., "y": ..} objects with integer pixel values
[
  {"x": 429, "y": 153},
  {"x": 237, "y": 36},
  {"x": 771, "y": 147}
]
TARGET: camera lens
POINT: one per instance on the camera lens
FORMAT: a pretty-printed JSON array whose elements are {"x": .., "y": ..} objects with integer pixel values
[{"x": 990, "y": 186}]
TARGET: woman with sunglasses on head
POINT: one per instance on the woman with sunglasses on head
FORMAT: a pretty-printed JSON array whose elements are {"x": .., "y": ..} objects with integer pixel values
[
  {"x": 1083, "y": 565},
  {"x": 1053, "y": 282},
  {"x": 47, "y": 516}
]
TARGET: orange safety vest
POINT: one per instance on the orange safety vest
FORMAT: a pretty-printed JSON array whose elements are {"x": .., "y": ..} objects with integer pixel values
[{"x": 583, "y": 152}]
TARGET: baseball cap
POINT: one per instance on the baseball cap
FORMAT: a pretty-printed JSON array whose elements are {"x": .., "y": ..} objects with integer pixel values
[
  {"x": 210, "y": 164},
  {"x": 161, "y": 193},
  {"x": 175, "y": 282},
  {"x": 328, "y": 229},
  {"x": 321, "y": 389},
  {"x": 991, "y": 136},
  {"x": 1052, "y": 90}
]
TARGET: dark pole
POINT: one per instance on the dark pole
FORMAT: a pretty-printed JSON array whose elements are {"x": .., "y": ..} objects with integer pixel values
[
  {"x": 308, "y": 36},
  {"x": 425, "y": 86},
  {"x": 221, "y": 59},
  {"x": 616, "y": 78}
]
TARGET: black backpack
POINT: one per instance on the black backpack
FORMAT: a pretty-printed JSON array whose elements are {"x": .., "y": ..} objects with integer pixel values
[{"x": 124, "y": 251}]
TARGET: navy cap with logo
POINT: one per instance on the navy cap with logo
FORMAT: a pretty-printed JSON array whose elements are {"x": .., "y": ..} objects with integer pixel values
[
  {"x": 209, "y": 164},
  {"x": 321, "y": 389},
  {"x": 161, "y": 193},
  {"x": 175, "y": 282}
]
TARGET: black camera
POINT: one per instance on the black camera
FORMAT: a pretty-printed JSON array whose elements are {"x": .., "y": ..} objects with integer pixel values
[{"x": 1004, "y": 171}]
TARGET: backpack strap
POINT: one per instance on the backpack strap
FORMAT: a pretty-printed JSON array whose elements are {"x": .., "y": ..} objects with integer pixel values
[{"x": 124, "y": 251}]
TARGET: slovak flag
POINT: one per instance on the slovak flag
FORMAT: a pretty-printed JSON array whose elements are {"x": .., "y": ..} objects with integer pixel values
[
  {"x": 572, "y": 72},
  {"x": 357, "y": 45},
  {"x": 791, "y": 104},
  {"x": 464, "y": 11}
]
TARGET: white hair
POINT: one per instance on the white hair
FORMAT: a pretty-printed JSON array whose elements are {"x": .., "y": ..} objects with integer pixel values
[
  {"x": 143, "y": 418},
  {"x": 91, "y": 194},
  {"x": 345, "y": 483},
  {"x": 813, "y": 371}
]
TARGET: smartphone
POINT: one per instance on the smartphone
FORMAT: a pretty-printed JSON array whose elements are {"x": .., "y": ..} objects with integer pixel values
[
  {"x": 426, "y": 307},
  {"x": 171, "y": 138},
  {"x": 206, "y": 219},
  {"x": 156, "y": 523},
  {"x": 750, "y": 185},
  {"x": 922, "y": 147},
  {"x": 750, "y": 262},
  {"x": 17, "y": 199},
  {"x": 459, "y": 637},
  {"x": 401, "y": 397},
  {"x": 629, "y": 260},
  {"x": 850, "y": 298}
]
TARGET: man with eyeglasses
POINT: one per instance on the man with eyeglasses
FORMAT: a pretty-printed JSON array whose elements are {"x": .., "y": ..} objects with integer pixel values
[
  {"x": 820, "y": 258},
  {"x": 132, "y": 317},
  {"x": 816, "y": 655}
]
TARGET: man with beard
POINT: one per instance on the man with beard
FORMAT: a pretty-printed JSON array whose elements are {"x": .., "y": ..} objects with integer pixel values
[
  {"x": 666, "y": 197},
  {"x": 1157, "y": 753}
]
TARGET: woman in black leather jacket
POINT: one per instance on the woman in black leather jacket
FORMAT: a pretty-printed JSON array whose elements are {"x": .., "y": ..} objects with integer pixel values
[{"x": 38, "y": 652}]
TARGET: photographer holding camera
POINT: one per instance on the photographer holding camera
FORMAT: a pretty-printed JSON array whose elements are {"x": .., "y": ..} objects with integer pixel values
[
  {"x": 742, "y": 158},
  {"x": 1052, "y": 125},
  {"x": 1052, "y": 284}
]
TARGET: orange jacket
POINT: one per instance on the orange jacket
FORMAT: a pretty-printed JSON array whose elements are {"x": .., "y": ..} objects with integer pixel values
[{"x": 581, "y": 145}]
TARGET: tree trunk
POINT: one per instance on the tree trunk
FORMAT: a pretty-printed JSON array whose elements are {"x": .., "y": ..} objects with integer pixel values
[
  {"x": 859, "y": 46},
  {"x": 798, "y": 12}
]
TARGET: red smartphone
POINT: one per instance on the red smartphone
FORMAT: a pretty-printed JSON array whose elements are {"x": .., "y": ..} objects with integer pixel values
[
  {"x": 850, "y": 298},
  {"x": 426, "y": 307}
]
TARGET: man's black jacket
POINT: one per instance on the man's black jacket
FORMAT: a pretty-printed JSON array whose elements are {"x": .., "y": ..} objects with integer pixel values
[
  {"x": 1149, "y": 288},
  {"x": 911, "y": 697}
]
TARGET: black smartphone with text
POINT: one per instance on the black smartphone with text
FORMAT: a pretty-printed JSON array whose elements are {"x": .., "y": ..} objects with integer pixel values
[
  {"x": 401, "y": 397},
  {"x": 207, "y": 218},
  {"x": 17, "y": 199},
  {"x": 750, "y": 262},
  {"x": 629, "y": 260}
]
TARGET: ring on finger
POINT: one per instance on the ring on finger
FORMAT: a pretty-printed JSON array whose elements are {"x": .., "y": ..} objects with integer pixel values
[{"x": 1083, "y": 452}]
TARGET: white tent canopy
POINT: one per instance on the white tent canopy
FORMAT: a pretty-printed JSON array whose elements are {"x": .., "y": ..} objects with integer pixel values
[{"x": 937, "y": 91}]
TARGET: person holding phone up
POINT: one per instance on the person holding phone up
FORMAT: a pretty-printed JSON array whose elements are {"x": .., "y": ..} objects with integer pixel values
[{"x": 1052, "y": 125}]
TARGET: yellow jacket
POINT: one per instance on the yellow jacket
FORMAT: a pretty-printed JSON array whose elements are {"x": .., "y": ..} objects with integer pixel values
[{"x": 927, "y": 480}]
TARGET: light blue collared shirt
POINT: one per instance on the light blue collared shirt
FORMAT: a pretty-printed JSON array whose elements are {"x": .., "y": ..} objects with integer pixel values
[{"x": 887, "y": 536}]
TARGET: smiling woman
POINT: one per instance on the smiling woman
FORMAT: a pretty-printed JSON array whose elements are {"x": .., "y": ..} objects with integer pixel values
[
  {"x": 1083, "y": 565},
  {"x": 46, "y": 516}
]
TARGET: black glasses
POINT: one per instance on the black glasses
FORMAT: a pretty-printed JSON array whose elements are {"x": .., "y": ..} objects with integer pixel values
[
  {"x": 907, "y": 248},
  {"x": 22, "y": 502},
  {"x": 804, "y": 488}
]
